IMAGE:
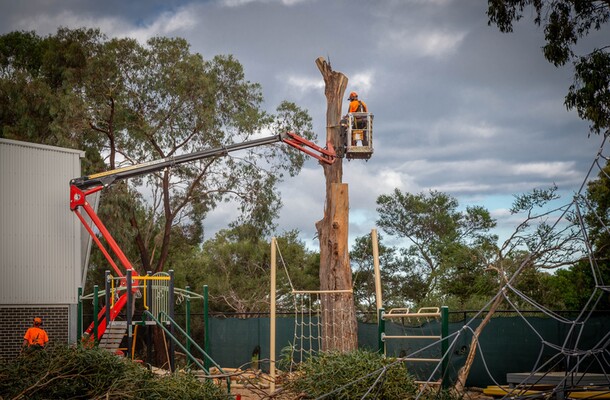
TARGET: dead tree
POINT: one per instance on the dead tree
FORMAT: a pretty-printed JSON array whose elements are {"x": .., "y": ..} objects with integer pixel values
[{"x": 339, "y": 317}]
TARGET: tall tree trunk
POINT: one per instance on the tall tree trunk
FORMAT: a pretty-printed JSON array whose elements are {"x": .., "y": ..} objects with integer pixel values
[{"x": 340, "y": 331}]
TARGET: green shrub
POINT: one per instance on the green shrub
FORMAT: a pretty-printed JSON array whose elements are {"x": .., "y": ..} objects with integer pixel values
[
  {"x": 65, "y": 372},
  {"x": 351, "y": 376}
]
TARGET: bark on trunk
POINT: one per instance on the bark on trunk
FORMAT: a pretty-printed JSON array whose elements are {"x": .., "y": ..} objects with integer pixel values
[{"x": 339, "y": 317}]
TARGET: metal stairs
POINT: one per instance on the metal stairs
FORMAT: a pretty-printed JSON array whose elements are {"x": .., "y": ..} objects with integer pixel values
[{"x": 113, "y": 336}]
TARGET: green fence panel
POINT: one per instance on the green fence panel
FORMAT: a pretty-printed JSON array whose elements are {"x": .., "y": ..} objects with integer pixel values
[
  {"x": 512, "y": 345},
  {"x": 508, "y": 344},
  {"x": 233, "y": 340}
]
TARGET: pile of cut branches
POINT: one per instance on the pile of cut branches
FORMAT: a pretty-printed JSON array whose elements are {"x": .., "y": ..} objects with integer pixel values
[
  {"x": 353, "y": 375},
  {"x": 72, "y": 372}
]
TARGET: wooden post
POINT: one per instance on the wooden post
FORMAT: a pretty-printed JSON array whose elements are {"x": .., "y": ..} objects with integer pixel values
[
  {"x": 378, "y": 291},
  {"x": 340, "y": 330}
]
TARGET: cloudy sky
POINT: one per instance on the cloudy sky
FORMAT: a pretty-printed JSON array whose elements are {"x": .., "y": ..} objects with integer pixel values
[{"x": 459, "y": 107}]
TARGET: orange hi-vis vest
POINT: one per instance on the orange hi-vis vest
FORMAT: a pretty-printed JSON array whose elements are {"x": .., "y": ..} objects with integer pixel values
[
  {"x": 357, "y": 106},
  {"x": 36, "y": 336}
]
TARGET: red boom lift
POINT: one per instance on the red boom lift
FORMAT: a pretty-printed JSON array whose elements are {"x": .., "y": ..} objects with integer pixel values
[{"x": 84, "y": 186}]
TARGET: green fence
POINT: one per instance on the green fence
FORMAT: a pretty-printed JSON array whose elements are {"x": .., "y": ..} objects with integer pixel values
[{"x": 509, "y": 344}]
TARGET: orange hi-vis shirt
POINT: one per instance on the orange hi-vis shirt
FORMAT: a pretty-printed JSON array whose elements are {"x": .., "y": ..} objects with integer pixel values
[
  {"x": 354, "y": 105},
  {"x": 36, "y": 336}
]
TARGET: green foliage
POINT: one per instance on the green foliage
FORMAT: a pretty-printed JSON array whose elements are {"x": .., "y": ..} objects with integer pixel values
[
  {"x": 62, "y": 372},
  {"x": 356, "y": 375},
  {"x": 353, "y": 375},
  {"x": 574, "y": 286},
  {"x": 135, "y": 103},
  {"x": 446, "y": 248},
  {"x": 401, "y": 282},
  {"x": 37, "y": 102},
  {"x": 597, "y": 217},
  {"x": 235, "y": 264},
  {"x": 565, "y": 23},
  {"x": 465, "y": 277},
  {"x": 590, "y": 94}
]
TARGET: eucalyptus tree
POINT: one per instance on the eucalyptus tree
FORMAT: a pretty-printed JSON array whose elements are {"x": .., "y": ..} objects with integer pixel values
[
  {"x": 442, "y": 242},
  {"x": 161, "y": 100},
  {"x": 401, "y": 285},
  {"x": 235, "y": 264},
  {"x": 127, "y": 103}
]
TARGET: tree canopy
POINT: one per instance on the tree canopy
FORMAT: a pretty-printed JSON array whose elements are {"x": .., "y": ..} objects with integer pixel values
[
  {"x": 127, "y": 103},
  {"x": 446, "y": 248},
  {"x": 566, "y": 23}
]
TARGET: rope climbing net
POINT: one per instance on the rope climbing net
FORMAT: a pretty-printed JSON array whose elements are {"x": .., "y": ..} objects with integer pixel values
[
  {"x": 317, "y": 323},
  {"x": 566, "y": 363},
  {"x": 569, "y": 360}
]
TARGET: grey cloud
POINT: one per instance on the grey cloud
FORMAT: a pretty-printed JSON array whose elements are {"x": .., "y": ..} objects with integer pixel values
[{"x": 463, "y": 116}]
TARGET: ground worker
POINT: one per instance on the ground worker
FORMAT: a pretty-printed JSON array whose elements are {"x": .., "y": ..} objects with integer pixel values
[{"x": 35, "y": 336}]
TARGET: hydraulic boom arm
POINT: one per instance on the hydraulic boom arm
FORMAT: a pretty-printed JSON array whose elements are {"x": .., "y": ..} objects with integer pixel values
[
  {"x": 83, "y": 186},
  {"x": 108, "y": 177}
]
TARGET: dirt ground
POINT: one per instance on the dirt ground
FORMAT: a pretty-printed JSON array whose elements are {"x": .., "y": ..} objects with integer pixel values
[
  {"x": 254, "y": 385},
  {"x": 259, "y": 393}
]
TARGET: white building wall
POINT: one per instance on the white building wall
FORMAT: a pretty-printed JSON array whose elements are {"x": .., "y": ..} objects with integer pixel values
[{"x": 40, "y": 238}]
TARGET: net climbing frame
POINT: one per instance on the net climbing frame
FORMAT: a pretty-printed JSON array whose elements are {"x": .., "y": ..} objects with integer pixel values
[{"x": 313, "y": 321}]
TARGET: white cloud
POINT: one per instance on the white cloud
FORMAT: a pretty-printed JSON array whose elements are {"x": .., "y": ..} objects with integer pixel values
[
  {"x": 48, "y": 23},
  {"x": 362, "y": 81},
  {"x": 304, "y": 83},
  {"x": 500, "y": 213},
  {"x": 239, "y": 3},
  {"x": 166, "y": 24},
  {"x": 463, "y": 187},
  {"x": 433, "y": 43},
  {"x": 544, "y": 169},
  {"x": 389, "y": 180}
]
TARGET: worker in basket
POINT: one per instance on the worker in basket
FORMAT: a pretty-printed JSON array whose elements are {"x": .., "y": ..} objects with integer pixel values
[{"x": 359, "y": 125}]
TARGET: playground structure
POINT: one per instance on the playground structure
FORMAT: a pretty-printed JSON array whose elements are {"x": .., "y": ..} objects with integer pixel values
[
  {"x": 311, "y": 326},
  {"x": 421, "y": 340},
  {"x": 158, "y": 294},
  {"x": 436, "y": 340}
]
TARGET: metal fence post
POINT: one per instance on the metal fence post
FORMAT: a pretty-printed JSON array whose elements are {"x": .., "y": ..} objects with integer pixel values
[
  {"x": 444, "y": 346},
  {"x": 95, "y": 311},
  {"x": 187, "y": 310},
  {"x": 380, "y": 330},
  {"x": 206, "y": 326},
  {"x": 172, "y": 356},
  {"x": 79, "y": 316},
  {"x": 129, "y": 311},
  {"x": 107, "y": 296}
]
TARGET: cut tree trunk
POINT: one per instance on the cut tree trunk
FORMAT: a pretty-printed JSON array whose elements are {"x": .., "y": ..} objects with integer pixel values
[{"x": 340, "y": 330}]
